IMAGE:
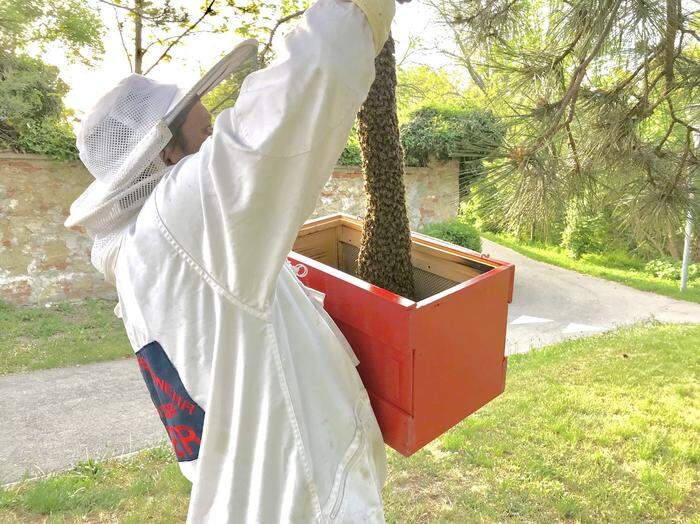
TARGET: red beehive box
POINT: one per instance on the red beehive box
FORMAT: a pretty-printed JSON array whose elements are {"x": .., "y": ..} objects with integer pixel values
[{"x": 426, "y": 364}]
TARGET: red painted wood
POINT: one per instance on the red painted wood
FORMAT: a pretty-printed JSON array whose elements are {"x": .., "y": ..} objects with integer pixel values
[{"x": 426, "y": 365}]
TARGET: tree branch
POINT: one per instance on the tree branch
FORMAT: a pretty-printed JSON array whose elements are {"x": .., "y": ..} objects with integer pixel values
[
  {"x": 177, "y": 39},
  {"x": 136, "y": 12},
  {"x": 121, "y": 37},
  {"x": 281, "y": 21},
  {"x": 573, "y": 89}
]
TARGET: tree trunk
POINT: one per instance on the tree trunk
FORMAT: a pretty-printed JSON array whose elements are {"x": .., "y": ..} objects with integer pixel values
[
  {"x": 672, "y": 246},
  {"x": 138, "y": 32},
  {"x": 385, "y": 253}
]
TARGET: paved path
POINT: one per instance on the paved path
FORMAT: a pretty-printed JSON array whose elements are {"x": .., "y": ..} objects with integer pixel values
[
  {"x": 551, "y": 303},
  {"x": 52, "y": 419}
]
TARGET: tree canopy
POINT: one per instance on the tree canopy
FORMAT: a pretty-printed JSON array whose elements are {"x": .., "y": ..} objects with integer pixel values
[
  {"x": 596, "y": 96},
  {"x": 32, "y": 116}
]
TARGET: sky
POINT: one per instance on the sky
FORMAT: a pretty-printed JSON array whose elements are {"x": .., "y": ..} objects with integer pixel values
[{"x": 200, "y": 52}]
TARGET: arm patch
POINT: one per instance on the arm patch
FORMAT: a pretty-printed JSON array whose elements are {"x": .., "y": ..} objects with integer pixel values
[{"x": 182, "y": 417}]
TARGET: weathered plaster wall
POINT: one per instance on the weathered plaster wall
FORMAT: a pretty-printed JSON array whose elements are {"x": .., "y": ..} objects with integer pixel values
[
  {"x": 431, "y": 193},
  {"x": 41, "y": 261}
]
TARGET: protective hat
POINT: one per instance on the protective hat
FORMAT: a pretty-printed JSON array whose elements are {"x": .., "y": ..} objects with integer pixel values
[{"x": 121, "y": 140}]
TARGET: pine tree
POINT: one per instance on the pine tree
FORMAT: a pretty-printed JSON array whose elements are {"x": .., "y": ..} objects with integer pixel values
[{"x": 595, "y": 95}]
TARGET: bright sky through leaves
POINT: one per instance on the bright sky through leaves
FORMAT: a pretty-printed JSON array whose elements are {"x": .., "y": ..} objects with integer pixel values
[{"x": 200, "y": 52}]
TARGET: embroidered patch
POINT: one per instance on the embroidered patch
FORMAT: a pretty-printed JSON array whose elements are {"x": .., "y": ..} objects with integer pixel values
[{"x": 182, "y": 417}]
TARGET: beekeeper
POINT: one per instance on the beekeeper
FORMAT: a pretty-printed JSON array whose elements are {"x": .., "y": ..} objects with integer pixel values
[{"x": 257, "y": 390}]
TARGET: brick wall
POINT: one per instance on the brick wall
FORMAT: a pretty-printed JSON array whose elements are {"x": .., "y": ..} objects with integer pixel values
[{"x": 41, "y": 261}]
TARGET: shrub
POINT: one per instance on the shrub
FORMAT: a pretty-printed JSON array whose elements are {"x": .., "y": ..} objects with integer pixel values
[
  {"x": 583, "y": 233},
  {"x": 351, "y": 155},
  {"x": 49, "y": 136},
  {"x": 456, "y": 231},
  {"x": 32, "y": 117},
  {"x": 670, "y": 269},
  {"x": 481, "y": 207},
  {"x": 447, "y": 132}
]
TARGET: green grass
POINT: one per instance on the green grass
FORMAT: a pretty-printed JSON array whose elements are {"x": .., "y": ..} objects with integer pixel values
[
  {"x": 603, "y": 429},
  {"x": 65, "y": 334},
  {"x": 615, "y": 266}
]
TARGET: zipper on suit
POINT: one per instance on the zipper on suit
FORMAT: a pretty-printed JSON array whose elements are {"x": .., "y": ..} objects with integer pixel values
[{"x": 348, "y": 467}]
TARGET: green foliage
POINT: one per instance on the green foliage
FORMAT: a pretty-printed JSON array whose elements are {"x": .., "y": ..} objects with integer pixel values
[
  {"x": 595, "y": 97},
  {"x": 477, "y": 208},
  {"x": 455, "y": 231},
  {"x": 34, "y": 120},
  {"x": 65, "y": 334},
  {"x": 32, "y": 116},
  {"x": 68, "y": 23},
  {"x": 51, "y": 136},
  {"x": 426, "y": 86},
  {"x": 670, "y": 269},
  {"x": 447, "y": 132},
  {"x": 351, "y": 155},
  {"x": 582, "y": 233}
]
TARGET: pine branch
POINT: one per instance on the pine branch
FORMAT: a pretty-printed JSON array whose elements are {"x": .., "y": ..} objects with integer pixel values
[{"x": 572, "y": 92}]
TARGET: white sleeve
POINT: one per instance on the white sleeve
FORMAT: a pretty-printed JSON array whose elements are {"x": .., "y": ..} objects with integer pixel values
[{"x": 237, "y": 205}]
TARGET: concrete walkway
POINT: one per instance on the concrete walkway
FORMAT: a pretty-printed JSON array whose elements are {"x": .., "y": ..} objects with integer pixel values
[
  {"x": 551, "y": 304},
  {"x": 52, "y": 419}
]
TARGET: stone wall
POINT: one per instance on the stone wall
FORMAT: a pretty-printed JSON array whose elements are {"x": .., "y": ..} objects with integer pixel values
[
  {"x": 431, "y": 193},
  {"x": 41, "y": 261}
]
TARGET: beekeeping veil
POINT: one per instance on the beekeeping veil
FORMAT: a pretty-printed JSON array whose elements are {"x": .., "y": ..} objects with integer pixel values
[{"x": 120, "y": 144}]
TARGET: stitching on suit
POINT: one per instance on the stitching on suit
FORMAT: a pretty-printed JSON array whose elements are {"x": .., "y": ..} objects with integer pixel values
[
  {"x": 311, "y": 486},
  {"x": 206, "y": 276}
]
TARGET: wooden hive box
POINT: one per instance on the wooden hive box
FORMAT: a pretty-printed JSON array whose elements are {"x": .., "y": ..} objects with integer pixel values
[{"x": 426, "y": 364}]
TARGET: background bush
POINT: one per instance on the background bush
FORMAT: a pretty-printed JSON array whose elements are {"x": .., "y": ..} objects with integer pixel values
[
  {"x": 32, "y": 116},
  {"x": 455, "y": 231},
  {"x": 583, "y": 232},
  {"x": 448, "y": 132},
  {"x": 351, "y": 155},
  {"x": 442, "y": 133},
  {"x": 670, "y": 269}
]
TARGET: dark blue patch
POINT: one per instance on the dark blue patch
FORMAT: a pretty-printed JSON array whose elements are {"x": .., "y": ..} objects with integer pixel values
[{"x": 181, "y": 416}]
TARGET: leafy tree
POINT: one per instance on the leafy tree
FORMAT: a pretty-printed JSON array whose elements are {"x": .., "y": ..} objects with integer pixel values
[
  {"x": 156, "y": 29},
  {"x": 68, "y": 23},
  {"x": 426, "y": 86},
  {"x": 32, "y": 116},
  {"x": 595, "y": 95}
]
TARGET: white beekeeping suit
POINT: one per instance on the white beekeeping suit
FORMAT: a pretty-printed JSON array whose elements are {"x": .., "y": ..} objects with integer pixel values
[{"x": 259, "y": 396}]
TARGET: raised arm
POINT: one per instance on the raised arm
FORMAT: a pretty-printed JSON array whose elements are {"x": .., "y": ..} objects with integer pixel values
[{"x": 259, "y": 176}]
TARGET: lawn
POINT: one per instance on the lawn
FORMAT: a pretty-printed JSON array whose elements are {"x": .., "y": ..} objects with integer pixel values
[
  {"x": 64, "y": 334},
  {"x": 619, "y": 268},
  {"x": 603, "y": 429}
]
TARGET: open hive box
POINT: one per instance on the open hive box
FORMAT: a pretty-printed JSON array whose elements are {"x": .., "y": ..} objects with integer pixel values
[{"x": 426, "y": 364}]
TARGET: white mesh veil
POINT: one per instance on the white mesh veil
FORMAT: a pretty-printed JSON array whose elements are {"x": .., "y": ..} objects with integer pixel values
[{"x": 120, "y": 144}]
